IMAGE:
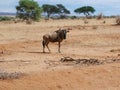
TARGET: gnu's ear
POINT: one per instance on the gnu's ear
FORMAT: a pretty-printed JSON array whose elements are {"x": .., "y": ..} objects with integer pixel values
[{"x": 67, "y": 31}]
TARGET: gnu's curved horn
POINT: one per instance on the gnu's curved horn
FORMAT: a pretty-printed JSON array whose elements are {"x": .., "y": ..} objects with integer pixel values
[
  {"x": 60, "y": 29},
  {"x": 69, "y": 28}
]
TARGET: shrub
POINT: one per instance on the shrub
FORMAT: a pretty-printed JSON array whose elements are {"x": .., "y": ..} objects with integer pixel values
[
  {"x": 73, "y": 17},
  {"x": 4, "y": 18}
]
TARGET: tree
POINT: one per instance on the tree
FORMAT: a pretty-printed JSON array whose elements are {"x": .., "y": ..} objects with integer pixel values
[
  {"x": 86, "y": 10},
  {"x": 62, "y": 10},
  {"x": 55, "y": 9},
  {"x": 50, "y": 9},
  {"x": 28, "y": 9}
]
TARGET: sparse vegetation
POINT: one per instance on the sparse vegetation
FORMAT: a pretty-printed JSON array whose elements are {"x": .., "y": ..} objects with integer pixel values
[{"x": 88, "y": 48}]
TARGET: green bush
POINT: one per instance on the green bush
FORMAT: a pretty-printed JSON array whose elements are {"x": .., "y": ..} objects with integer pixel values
[
  {"x": 28, "y": 10},
  {"x": 73, "y": 17},
  {"x": 4, "y": 18}
]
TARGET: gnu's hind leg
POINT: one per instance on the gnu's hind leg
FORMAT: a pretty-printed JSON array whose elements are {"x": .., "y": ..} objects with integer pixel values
[
  {"x": 43, "y": 43},
  {"x": 48, "y": 46},
  {"x": 59, "y": 47}
]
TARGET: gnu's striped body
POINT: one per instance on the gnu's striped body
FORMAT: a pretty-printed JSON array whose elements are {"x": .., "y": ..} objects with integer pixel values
[{"x": 56, "y": 36}]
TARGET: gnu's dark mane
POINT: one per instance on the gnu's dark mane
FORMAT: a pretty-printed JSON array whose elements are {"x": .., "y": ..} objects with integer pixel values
[{"x": 61, "y": 33}]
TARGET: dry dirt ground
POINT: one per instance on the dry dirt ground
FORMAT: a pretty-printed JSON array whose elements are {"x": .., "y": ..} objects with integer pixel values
[{"x": 21, "y": 51}]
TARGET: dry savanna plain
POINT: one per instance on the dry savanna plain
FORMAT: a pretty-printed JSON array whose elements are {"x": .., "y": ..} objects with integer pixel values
[{"x": 24, "y": 66}]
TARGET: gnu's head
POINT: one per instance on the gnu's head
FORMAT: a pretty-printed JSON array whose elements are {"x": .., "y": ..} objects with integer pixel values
[{"x": 64, "y": 33}]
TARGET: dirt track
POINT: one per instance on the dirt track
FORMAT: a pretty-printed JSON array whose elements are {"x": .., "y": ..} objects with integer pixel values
[{"x": 21, "y": 51}]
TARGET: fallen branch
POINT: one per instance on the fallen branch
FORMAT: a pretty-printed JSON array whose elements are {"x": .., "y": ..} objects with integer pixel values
[{"x": 88, "y": 61}]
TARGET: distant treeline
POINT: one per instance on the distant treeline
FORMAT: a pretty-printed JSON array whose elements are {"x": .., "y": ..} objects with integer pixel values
[
  {"x": 80, "y": 17},
  {"x": 9, "y": 18},
  {"x": 7, "y": 14}
]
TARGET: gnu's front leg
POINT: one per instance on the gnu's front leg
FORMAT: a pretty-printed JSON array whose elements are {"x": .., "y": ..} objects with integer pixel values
[
  {"x": 48, "y": 48},
  {"x": 59, "y": 47}
]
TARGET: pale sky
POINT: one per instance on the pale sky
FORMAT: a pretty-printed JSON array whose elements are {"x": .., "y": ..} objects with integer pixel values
[{"x": 107, "y": 7}]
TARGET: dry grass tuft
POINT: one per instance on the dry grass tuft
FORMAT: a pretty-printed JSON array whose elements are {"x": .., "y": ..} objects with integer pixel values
[
  {"x": 94, "y": 27},
  {"x": 104, "y": 22},
  {"x": 118, "y": 20},
  {"x": 115, "y": 50},
  {"x": 86, "y": 22}
]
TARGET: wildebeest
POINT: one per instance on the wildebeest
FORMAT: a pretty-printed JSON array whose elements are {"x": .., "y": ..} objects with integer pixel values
[{"x": 56, "y": 36}]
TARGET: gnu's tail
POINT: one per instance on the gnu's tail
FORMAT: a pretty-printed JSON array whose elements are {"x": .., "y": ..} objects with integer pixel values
[{"x": 43, "y": 43}]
